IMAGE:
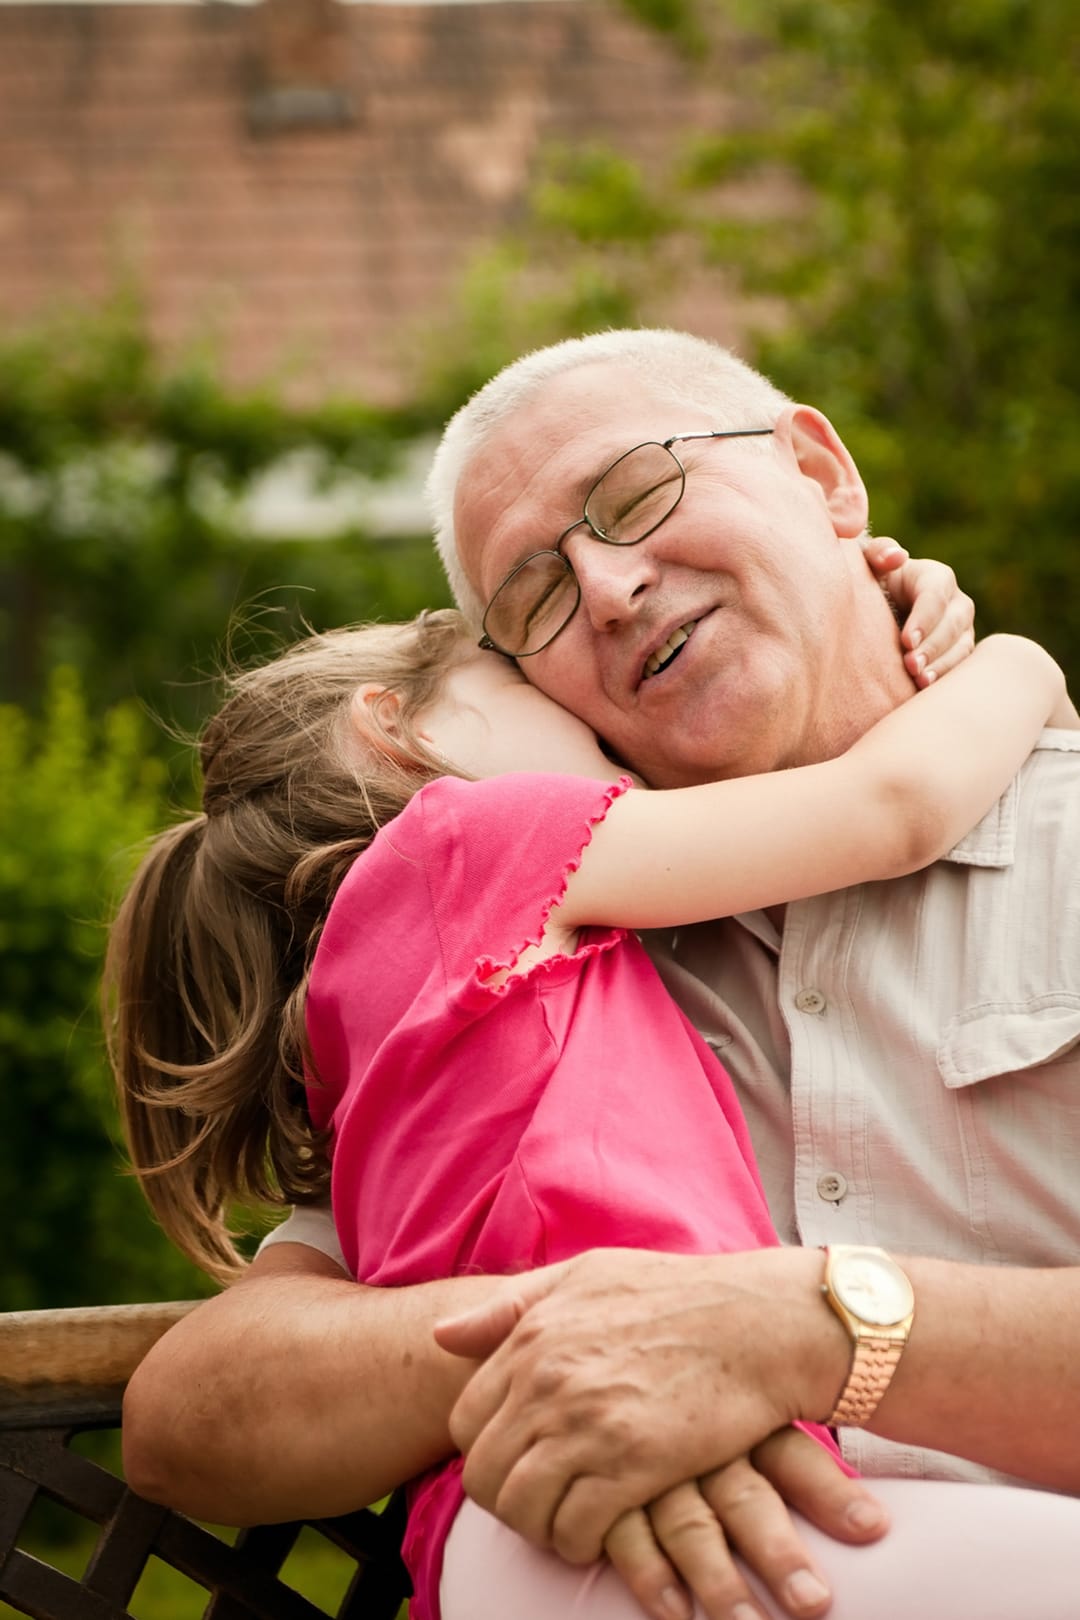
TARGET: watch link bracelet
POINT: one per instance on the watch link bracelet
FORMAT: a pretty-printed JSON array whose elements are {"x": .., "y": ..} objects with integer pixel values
[{"x": 872, "y": 1296}]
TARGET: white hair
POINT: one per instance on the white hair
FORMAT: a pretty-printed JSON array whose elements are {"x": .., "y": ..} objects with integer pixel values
[{"x": 688, "y": 370}]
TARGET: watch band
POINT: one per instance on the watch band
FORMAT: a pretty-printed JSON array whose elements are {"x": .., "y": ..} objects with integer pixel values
[
  {"x": 873, "y": 1298},
  {"x": 872, "y": 1367}
]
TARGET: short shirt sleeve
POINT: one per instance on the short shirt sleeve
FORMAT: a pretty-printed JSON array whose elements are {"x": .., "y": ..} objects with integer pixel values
[
  {"x": 498, "y": 854},
  {"x": 311, "y": 1225}
]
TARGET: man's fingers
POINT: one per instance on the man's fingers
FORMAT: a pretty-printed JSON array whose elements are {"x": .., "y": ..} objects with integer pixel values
[
  {"x": 587, "y": 1511},
  {"x": 758, "y": 1524},
  {"x": 810, "y": 1480},
  {"x": 479, "y": 1332},
  {"x": 533, "y": 1491},
  {"x": 482, "y": 1397},
  {"x": 636, "y": 1556}
]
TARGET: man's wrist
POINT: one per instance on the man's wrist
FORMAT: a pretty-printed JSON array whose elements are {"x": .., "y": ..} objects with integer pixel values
[
  {"x": 805, "y": 1352},
  {"x": 825, "y": 1361},
  {"x": 872, "y": 1296}
]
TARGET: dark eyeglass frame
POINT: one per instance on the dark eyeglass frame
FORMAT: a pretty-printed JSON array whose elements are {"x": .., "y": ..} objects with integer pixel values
[{"x": 487, "y": 642}]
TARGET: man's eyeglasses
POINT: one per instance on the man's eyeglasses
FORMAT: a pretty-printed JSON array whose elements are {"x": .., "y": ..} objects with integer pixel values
[{"x": 628, "y": 502}]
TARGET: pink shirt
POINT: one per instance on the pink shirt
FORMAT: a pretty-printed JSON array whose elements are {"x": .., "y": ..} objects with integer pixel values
[{"x": 491, "y": 1128}]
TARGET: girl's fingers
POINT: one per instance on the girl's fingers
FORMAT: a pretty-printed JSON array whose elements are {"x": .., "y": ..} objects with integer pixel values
[
  {"x": 884, "y": 554},
  {"x": 950, "y": 641},
  {"x": 690, "y": 1530},
  {"x": 757, "y": 1522},
  {"x": 813, "y": 1483},
  {"x": 634, "y": 1552},
  {"x": 939, "y": 618}
]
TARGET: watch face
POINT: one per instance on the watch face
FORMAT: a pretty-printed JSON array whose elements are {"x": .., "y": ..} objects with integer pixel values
[{"x": 872, "y": 1286}]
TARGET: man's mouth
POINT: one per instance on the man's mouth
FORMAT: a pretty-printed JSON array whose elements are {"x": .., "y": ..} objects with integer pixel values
[{"x": 672, "y": 647}]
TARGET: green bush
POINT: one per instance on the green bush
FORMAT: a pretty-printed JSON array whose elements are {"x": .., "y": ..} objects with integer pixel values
[
  {"x": 125, "y": 541},
  {"x": 125, "y": 557},
  {"x": 76, "y": 798}
]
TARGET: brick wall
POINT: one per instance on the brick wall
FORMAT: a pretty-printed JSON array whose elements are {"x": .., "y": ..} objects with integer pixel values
[{"x": 305, "y": 178}]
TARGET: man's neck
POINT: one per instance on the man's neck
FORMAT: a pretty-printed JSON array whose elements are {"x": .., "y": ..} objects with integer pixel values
[{"x": 865, "y": 681}]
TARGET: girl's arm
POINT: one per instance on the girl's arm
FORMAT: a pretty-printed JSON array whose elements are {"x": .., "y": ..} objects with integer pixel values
[{"x": 895, "y": 802}]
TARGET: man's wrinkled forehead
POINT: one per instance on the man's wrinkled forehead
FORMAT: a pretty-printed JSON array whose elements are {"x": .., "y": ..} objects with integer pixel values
[{"x": 530, "y": 476}]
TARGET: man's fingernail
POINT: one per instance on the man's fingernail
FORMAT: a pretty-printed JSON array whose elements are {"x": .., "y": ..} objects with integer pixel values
[
  {"x": 805, "y": 1590},
  {"x": 864, "y": 1515},
  {"x": 920, "y": 663},
  {"x": 916, "y": 637},
  {"x": 675, "y": 1605},
  {"x": 930, "y": 676},
  {"x": 745, "y": 1611}
]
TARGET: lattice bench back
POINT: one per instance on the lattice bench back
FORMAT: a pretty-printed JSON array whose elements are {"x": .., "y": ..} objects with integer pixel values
[{"x": 62, "y": 1373}]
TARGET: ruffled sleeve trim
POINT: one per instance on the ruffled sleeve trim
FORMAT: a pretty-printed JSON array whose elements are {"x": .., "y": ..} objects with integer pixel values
[{"x": 593, "y": 941}]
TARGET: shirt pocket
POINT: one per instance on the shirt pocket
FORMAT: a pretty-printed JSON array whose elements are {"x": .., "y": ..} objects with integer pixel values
[
  {"x": 1001, "y": 1038},
  {"x": 1012, "y": 1072}
]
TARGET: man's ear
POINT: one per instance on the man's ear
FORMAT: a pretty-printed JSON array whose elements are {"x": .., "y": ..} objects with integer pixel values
[{"x": 823, "y": 457}]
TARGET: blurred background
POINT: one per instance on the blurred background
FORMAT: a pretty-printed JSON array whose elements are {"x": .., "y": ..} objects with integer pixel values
[{"x": 252, "y": 255}]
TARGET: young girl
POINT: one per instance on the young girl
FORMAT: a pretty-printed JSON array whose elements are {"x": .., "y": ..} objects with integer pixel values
[{"x": 445, "y": 964}]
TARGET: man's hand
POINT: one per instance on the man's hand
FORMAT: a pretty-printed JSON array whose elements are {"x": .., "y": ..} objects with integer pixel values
[
  {"x": 938, "y": 617},
  {"x": 695, "y": 1530},
  {"x": 624, "y": 1373}
]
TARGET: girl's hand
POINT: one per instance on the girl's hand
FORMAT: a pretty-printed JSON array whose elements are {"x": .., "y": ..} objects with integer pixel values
[
  {"x": 685, "y": 1541},
  {"x": 938, "y": 617}
]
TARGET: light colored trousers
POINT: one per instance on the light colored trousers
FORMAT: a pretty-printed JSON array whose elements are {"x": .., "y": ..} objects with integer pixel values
[{"x": 955, "y": 1552}]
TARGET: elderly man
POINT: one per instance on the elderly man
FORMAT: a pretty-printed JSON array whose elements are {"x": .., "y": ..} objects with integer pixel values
[{"x": 907, "y": 1053}]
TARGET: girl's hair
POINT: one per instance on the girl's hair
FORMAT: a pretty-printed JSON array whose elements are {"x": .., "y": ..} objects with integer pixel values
[
  {"x": 209, "y": 954},
  {"x": 675, "y": 366}
]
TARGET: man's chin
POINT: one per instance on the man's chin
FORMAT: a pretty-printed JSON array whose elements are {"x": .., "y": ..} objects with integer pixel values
[{"x": 697, "y": 765}]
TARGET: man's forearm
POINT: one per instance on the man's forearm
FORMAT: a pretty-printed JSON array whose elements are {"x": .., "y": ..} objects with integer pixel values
[
  {"x": 295, "y": 1393},
  {"x": 991, "y": 1371},
  {"x": 628, "y": 1372}
]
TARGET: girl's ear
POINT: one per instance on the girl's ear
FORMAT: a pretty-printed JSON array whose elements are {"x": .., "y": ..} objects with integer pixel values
[{"x": 374, "y": 713}]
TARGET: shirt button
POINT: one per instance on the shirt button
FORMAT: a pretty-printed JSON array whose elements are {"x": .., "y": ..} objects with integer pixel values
[
  {"x": 810, "y": 1001},
  {"x": 832, "y": 1186}
]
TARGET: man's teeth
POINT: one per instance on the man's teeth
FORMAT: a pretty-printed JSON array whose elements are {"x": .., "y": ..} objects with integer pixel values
[{"x": 663, "y": 655}]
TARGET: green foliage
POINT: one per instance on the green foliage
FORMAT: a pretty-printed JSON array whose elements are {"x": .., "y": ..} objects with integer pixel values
[
  {"x": 929, "y": 265},
  {"x": 74, "y": 793},
  {"x": 597, "y": 245},
  {"x": 125, "y": 539},
  {"x": 126, "y": 548},
  {"x": 517, "y": 297},
  {"x": 896, "y": 206},
  {"x": 678, "y": 19},
  {"x": 598, "y": 197}
]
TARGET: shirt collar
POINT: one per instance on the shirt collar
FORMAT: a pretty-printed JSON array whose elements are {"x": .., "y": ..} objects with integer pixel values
[{"x": 992, "y": 841}]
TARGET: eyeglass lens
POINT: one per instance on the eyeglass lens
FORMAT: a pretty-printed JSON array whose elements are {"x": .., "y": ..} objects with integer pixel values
[
  {"x": 636, "y": 494},
  {"x": 627, "y": 502}
]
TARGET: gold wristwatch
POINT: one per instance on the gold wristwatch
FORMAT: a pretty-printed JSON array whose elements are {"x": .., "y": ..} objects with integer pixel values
[{"x": 874, "y": 1299}]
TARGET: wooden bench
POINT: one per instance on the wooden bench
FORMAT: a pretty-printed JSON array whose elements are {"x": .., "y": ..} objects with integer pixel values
[{"x": 63, "y": 1373}]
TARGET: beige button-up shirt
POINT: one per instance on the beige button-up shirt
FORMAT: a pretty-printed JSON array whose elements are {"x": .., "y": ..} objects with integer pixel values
[{"x": 908, "y": 1053}]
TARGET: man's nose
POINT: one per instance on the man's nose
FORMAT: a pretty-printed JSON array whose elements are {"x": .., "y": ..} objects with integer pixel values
[{"x": 615, "y": 580}]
